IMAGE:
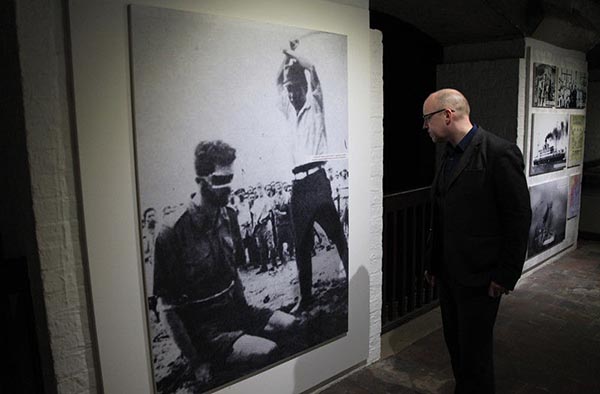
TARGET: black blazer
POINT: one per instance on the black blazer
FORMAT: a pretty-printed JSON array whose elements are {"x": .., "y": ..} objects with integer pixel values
[{"x": 481, "y": 215}]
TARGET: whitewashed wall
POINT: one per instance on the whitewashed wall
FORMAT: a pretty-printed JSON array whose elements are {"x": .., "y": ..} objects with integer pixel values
[{"x": 541, "y": 52}]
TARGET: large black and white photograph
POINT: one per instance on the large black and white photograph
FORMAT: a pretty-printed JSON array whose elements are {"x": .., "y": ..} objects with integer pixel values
[
  {"x": 572, "y": 89},
  {"x": 549, "y": 215},
  {"x": 549, "y": 142},
  {"x": 241, "y": 142},
  {"x": 544, "y": 85}
]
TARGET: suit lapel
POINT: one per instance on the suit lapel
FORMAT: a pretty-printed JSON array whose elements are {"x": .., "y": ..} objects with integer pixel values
[
  {"x": 439, "y": 173},
  {"x": 465, "y": 159}
]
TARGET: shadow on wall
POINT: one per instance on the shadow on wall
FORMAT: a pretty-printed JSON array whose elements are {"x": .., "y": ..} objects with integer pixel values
[{"x": 313, "y": 362}]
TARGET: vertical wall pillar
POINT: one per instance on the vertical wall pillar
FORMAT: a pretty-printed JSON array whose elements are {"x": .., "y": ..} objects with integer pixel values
[
  {"x": 557, "y": 184},
  {"x": 376, "y": 191},
  {"x": 41, "y": 36}
]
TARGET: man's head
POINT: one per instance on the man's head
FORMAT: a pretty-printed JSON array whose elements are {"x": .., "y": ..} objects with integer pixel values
[
  {"x": 294, "y": 81},
  {"x": 213, "y": 161},
  {"x": 259, "y": 190},
  {"x": 149, "y": 218},
  {"x": 446, "y": 116}
]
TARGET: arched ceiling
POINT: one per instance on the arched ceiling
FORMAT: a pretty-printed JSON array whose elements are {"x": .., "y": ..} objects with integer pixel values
[{"x": 572, "y": 24}]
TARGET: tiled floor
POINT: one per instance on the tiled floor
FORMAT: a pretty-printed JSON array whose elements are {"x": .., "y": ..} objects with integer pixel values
[{"x": 547, "y": 339}]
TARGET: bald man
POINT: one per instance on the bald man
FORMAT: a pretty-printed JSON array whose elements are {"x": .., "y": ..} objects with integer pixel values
[{"x": 478, "y": 236}]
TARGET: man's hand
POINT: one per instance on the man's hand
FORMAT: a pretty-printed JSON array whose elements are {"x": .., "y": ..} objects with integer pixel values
[
  {"x": 430, "y": 278},
  {"x": 304, "y": 63},
  {"x": 202, "y": 373},
  {"x": 495, "y": 290}
]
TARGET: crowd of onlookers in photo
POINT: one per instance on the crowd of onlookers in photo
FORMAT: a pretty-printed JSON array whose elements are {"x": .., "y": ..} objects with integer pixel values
[
  {"x": 570, "y": 95},
  {"x": 264, "y": 217},
  {"x": 544, "y": 89}
]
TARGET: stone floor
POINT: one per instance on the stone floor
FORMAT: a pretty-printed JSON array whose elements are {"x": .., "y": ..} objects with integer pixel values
[{"x": 547, "y": 339}]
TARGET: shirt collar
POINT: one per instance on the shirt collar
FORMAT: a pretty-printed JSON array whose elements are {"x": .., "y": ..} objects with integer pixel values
[
  {"x": 464, "y": 143},
  {"x": 204, "y": 216}
]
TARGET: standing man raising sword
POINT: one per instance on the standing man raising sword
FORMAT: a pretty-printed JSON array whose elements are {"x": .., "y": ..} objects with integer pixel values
[{"x": 302, "y": 105}]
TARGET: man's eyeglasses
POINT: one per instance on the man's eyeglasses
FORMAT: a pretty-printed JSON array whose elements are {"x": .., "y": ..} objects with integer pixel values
[
  {"x": 428, "y": 116},
  {"x": 219, "y": 180}
]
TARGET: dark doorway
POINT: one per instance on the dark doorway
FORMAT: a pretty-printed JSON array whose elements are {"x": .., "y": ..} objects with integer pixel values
[
  {"x": 410, "y": 58},
  {"x": 20, "y": 364}
]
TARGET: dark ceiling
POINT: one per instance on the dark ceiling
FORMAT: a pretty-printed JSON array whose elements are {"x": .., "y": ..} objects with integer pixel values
[{"x": 571, "y": 24}]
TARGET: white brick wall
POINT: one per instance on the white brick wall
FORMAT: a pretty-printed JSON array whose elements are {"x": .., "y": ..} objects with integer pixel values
[
  {"x": 376, "y": 190},
  {"x": 49, "y": 139}
]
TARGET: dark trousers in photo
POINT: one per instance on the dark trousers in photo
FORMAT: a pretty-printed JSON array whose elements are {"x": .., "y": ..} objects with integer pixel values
[{"x": 312, "y": 202}]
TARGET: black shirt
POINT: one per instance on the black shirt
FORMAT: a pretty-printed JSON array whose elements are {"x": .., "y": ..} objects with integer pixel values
[{"x": 454, "y": 153}]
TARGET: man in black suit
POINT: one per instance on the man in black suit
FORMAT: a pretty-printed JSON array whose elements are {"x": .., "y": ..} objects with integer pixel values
[{"x": 478, "y": 237}]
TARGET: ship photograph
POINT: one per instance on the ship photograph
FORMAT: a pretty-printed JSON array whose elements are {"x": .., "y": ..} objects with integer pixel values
[{"x": 550, "y": 143}]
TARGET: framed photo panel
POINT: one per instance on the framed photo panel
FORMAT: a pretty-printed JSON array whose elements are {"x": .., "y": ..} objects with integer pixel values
[
  {"x": 549, "y": 143},
  {"x": 572, "y": 89},
  {"x": 241, "y": 129},
  {"x": 544, "y": 85},
  {"x": 574, "y": 195},
  {"x": 549, "y": 215},
  {"x": 576, "y": 138}
]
